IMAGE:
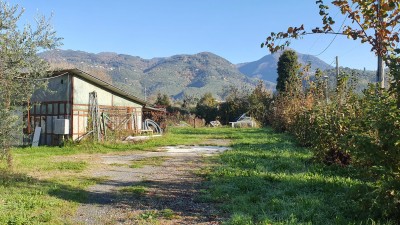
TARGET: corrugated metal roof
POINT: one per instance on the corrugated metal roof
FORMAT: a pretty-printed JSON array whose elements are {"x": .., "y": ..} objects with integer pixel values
[{"x": 101, "y": 83}]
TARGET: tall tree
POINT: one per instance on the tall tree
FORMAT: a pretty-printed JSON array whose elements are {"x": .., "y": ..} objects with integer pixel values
[
  {"x": 288, "y": 67},
  {"x": 207, "y": 108},
  {"x": 236, "y": 103},
  {"x": 260, "y": 100},
  {"x": 21, "y": 70},
  {"x": 162, "y": 100}
]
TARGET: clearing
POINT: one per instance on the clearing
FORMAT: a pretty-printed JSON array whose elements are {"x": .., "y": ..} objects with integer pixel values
[
  {"x": 146, "y": 187},
  {"x": 178, "y": 179}
]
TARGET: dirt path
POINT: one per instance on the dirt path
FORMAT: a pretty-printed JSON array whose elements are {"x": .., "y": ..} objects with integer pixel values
[{"x": 164, "y": 193}]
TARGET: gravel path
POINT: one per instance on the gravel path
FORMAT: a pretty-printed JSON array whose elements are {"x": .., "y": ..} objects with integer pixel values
[{"x": 170, "y": 190}]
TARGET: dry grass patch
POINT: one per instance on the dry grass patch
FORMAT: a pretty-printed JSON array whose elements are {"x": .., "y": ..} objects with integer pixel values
[{"x": 149, "y": 161}]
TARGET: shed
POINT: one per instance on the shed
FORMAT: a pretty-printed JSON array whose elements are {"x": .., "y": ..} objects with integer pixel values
[{"x": 67, "y": 105}]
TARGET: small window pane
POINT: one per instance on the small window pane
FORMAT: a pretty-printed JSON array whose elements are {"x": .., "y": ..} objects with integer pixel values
[
  {"x": 62, "y": 108},
  {"x": 68, "y": 107},
  {"x": 55, "y": 108},
  {"x": 50, "y": 109},
  {"x": 43, "y": 110},
  {"x": 37, "y": 109}
]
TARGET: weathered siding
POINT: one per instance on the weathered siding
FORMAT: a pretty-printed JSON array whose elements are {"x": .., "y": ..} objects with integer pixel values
[
  {"x": 113, "y": 105},
  {"x": 58, "y": 90},
  {"x": 67, "y": 97},
  {"x": 82, "y": 89},
  {"x": 48, "y": 105}
]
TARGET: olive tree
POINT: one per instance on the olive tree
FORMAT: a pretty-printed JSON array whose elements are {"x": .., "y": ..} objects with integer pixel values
[
  {"x": 207, "y": 108},
  {"x": 22, "y": 71}
]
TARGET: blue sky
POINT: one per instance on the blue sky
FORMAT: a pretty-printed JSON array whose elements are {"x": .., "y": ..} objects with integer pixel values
[{"x": 233, "y": 29}]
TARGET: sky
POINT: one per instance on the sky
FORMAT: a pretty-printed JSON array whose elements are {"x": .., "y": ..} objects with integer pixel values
[{"x": 233, "y": 29}]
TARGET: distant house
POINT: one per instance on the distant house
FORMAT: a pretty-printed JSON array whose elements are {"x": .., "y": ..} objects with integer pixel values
[{"x": 66, "y": 108}]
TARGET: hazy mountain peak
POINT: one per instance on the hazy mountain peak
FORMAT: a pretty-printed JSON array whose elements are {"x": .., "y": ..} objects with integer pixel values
[{"x": 266, "y": 67}]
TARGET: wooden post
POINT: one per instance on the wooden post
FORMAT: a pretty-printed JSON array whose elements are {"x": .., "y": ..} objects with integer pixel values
[
  {"x": 29, "y": 119},
  {"x": 129, "y": 115}
]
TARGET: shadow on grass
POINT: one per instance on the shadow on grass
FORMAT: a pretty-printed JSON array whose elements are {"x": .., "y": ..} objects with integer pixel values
[
  {"x": 180, "y": 196},
  {"x": 225, "y": 131},
  {"x": 266, "y": 178}
]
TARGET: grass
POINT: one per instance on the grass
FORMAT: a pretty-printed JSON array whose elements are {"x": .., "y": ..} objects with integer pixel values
[
  {"x": 26, "y": 200},
  {"x": 153, "y": 215},
  {"x": 264, "y": 179},
  {"x": 149, "y": 161},
  {"x": 135, "y": 190},
  {"x": 72, "y": 166},
  {"x": 47, "y": 183},
  {"x": 267, "y": 179}
]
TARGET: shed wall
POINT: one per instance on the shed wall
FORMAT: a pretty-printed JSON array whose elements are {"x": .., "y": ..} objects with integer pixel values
[
  {"x": 48, "y": 105},
  {"x": 58, "y": 90},
  {"x": 82, "y": 89},
  {"x": 117, "y": 108},
  {"x": 67, "y": 97}
]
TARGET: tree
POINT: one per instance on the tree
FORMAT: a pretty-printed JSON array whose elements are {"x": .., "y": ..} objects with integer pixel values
[
  {"x": 260, "y": 100},
  {"x": 189, "y": 103},
  {"x": 21, "y": 70},
  {"x": 236, "y": 103},
  {"x": 287, "y": 68},
  {"x": 373, "y": 22},
  {"x": 207, "y": 108},
  {"x": 162, "y": 100}
]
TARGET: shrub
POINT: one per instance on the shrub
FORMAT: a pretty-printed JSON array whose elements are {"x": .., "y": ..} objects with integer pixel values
[{"x": 349, "y": 129}]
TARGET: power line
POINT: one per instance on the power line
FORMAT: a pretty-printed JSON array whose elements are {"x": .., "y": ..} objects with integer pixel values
[
  {"x": 332, "y": 62},
  {"x": 341, "y": 26},
  {"x": 321, "y": 34},
  {"x": 345, "y": 18}
]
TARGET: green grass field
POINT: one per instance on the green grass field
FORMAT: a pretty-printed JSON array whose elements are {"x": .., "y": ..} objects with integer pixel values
[
  {"x": 46, "y": 184},
  {"x": 264, "y": 179},
  {"x": 267, "y": 179}
]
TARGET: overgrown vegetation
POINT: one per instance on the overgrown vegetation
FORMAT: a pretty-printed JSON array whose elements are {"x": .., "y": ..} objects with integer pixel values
[
  {"x": 348, "y": 129},
  {"x": 268, "y": 179},
  {"x": 360, "y": 131}
]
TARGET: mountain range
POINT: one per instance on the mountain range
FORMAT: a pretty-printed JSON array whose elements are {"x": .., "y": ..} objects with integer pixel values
[
  {"x": 266, "y": 67},
  {"x": 177, "y": 76}
]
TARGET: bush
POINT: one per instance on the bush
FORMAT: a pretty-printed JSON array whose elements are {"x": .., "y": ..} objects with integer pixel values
[{"x": 349, "y": 129}]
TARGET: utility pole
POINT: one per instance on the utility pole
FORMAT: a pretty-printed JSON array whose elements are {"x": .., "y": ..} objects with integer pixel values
[
  {"x": 326, "y": 89},
  {"x": 380, "y": 73},
  {"x": 337, "y": 66},
  {"x": 145, "y": 93}
]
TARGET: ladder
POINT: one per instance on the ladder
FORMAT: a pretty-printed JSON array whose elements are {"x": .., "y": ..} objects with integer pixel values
[{"x": 94, "y": 117}]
